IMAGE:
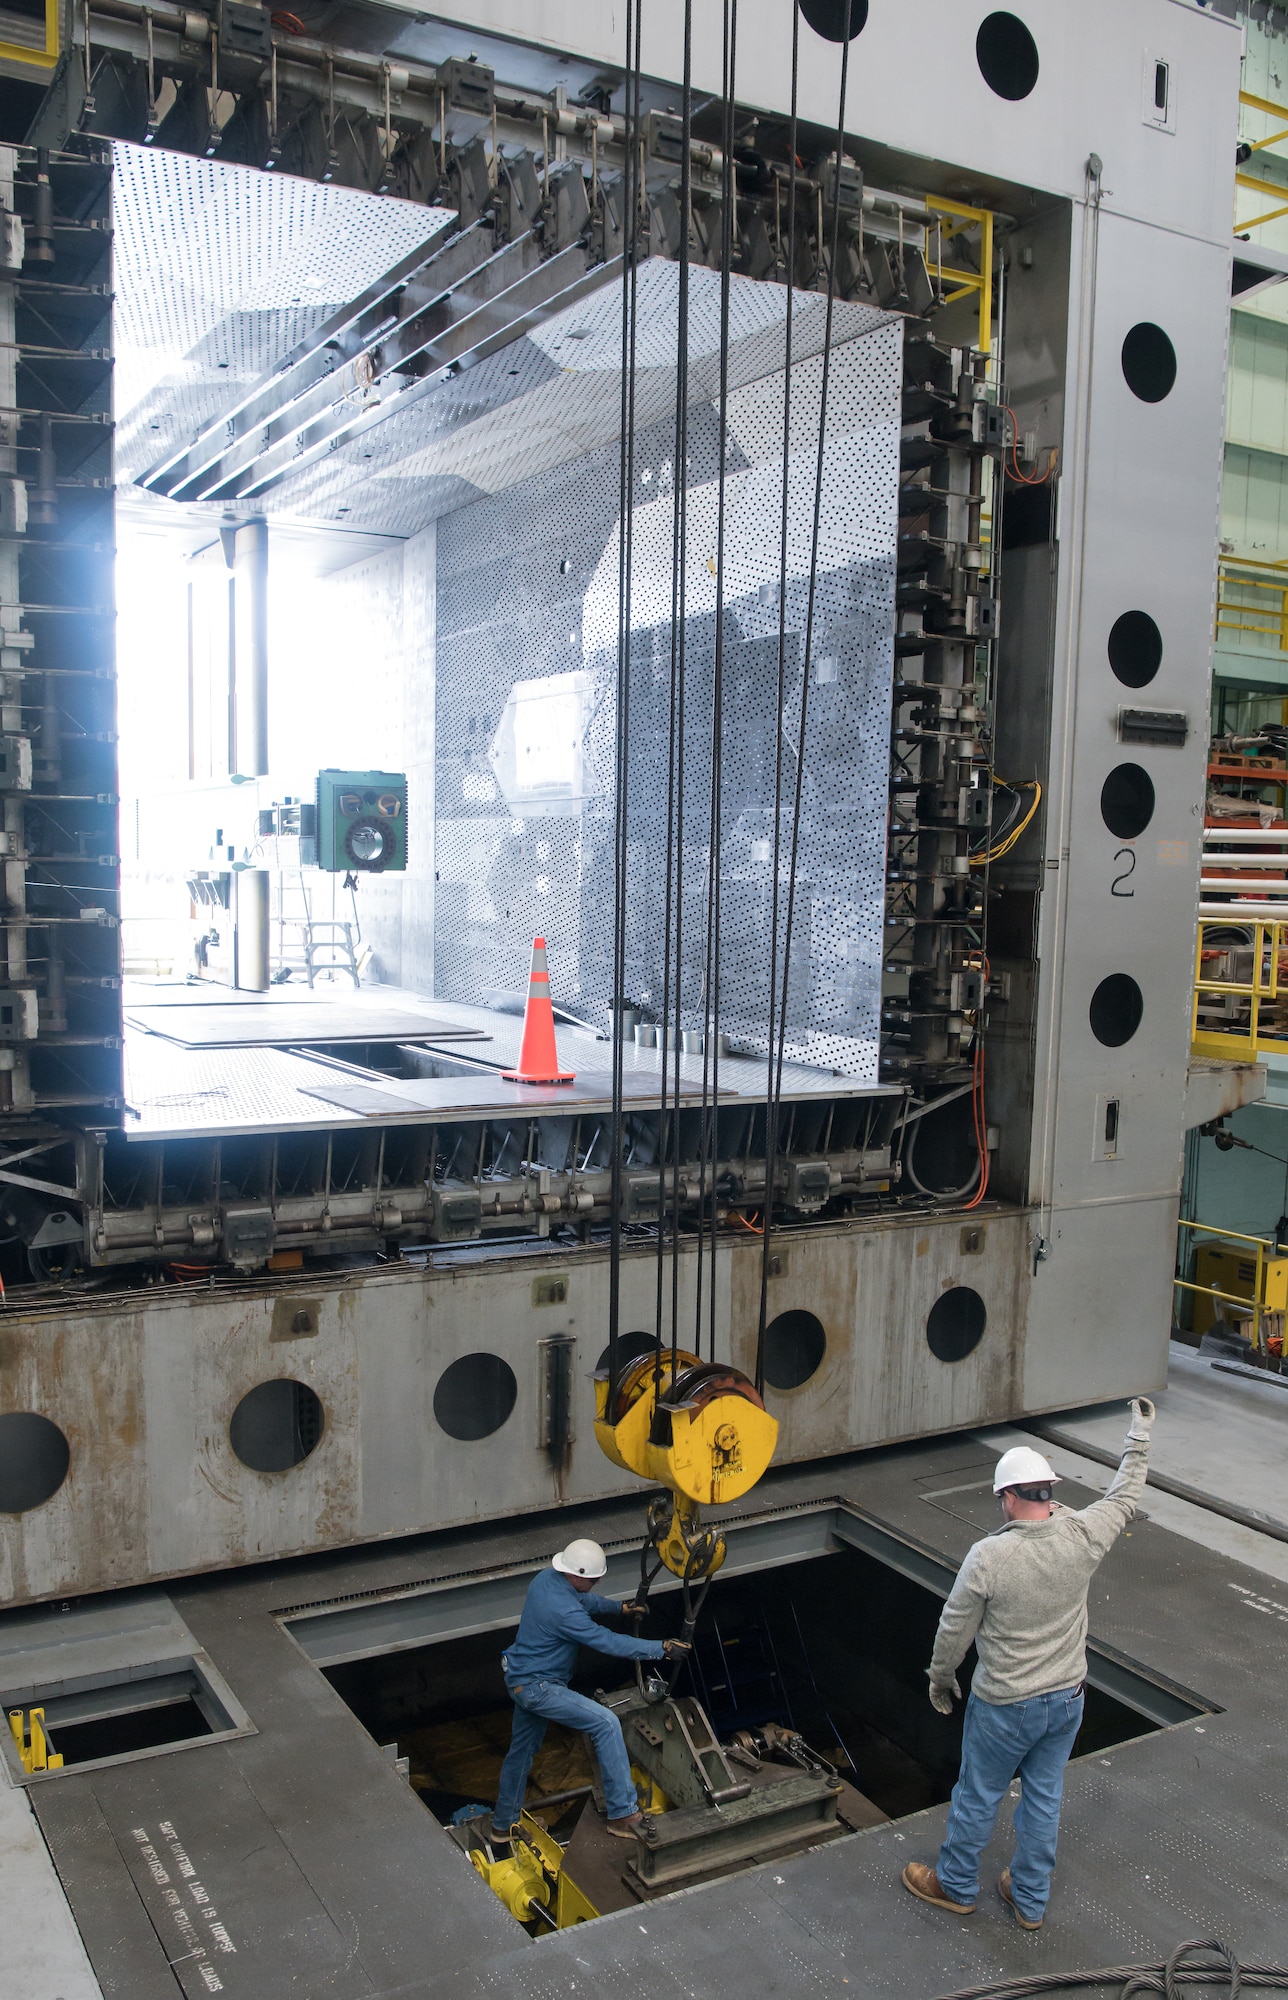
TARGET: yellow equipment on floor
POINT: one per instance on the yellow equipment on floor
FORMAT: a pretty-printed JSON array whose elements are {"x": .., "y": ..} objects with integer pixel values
[
  {"x": 1231, "y": 1269},
  {"x": 531, "y": 1880}
]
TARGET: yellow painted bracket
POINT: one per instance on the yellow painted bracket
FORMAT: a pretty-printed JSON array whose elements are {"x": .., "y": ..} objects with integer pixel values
[
  {"x": 649, "y": 1793},
  {"x": 980, "y": 281},
  {"x": 43, "y": 55},
  {"x": 34, "y": 1749}
]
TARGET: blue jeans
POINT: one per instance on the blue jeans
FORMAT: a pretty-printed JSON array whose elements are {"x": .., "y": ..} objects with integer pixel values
[
  {"x": 1033, "y": 1738},
  {"x": 535, "y": 1704}
]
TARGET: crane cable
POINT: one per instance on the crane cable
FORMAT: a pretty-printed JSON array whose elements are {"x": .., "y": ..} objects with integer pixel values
[
  {"x": 1167, "y": 1977},
  {"x": 709, "y": 1129},
  {"x": 771, "y": 1108},
  {"x": 626, "y": 472},
  {"x": 779, "y": 991},
  {"x": 673, "y": 921}
]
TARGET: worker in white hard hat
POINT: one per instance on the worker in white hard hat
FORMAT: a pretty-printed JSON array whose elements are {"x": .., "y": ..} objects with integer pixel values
[
  {"x": 1021, "y": 1596},
  {"x": 559, "y": 1615}
]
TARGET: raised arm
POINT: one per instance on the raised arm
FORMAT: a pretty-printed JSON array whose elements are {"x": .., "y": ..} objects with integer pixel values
[{"x": 1104, "y": 1520}]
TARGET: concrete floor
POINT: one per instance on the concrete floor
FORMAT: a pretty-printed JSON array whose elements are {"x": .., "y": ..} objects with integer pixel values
[
  {"x": 41, "y": 1954},
  {"x": 1217, "y": 1433}
]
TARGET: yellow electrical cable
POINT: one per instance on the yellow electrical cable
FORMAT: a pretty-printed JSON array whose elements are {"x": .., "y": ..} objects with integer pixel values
[{"x": 1004, "y": 847}]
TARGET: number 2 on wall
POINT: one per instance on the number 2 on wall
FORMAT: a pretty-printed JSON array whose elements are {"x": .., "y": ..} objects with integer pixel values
[{"x": 1127, "y": 854}]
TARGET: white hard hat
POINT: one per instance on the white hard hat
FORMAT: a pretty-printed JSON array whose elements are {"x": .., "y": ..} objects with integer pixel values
[
  {"x": 581, "y": 1559},
  {"x": 1022, "y": 1466}
]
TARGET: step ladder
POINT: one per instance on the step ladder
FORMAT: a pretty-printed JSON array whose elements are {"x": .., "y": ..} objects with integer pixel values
[{"x": 330, "y": 947}]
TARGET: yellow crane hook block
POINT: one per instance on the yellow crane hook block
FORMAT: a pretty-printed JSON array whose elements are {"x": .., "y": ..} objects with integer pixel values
[{"x": 700, "y": 1429}]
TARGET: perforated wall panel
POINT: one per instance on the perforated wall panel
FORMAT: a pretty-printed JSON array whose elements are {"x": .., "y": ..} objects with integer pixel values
[{"x": 528, "y": 584}]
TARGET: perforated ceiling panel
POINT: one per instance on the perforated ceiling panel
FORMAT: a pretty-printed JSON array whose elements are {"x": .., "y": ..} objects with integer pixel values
[
  {"x": 527, "y": 586},
  {"x": 219, "y": 270},
  {"x": 550, "y": 396}
]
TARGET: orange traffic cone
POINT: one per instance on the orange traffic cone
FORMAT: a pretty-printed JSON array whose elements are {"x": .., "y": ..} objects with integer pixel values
[{"x": 538, "y": 1057}]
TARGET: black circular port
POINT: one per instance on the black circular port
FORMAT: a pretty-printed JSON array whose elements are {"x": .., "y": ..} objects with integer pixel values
[
  {"x": 1149, "y": 362},
  {"x": 1007, "y": 56},
  {"x": 276, "y": 1425},
  {"x": 1127, "y": 801},
  {"x": 368, "y": 844},
  {"x": 1135, "y": 648},
  {"x": 1116, "y": 1009},
  {"x": 795, "y": 1343},
  {"x": 955, "y": 1323},
  {"x": 631, "y": 1347},
  {"x": 474, "y": 1396},
  {"x": 836, "y": 20},
  {"x": 34, "y": 1457}
]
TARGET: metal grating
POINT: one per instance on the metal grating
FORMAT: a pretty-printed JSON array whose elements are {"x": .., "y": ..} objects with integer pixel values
[
  {"x": 219, "y": 271},
  {"x": 527, "y": 586}
]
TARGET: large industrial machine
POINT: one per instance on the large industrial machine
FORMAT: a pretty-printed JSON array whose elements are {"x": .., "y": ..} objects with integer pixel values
[
  {"x": 726, "y": 491},
  {"x": 786, "y": 579}
]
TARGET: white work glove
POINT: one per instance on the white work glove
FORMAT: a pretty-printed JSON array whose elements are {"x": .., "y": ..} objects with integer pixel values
[
  {"x": 941, "y": 1698},
  {"x": 1142, "y": 1417}
]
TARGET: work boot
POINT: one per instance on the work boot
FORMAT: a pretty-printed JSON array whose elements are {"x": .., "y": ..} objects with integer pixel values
[
  {"x": 500, "y": 1843},
  {"x": 626, "y": 1829},
  {"x": 924, "y": 1883},
  {"x": 1004, "y": 1891}
]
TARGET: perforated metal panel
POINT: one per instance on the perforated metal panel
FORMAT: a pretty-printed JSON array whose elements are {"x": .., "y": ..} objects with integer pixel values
[
  {"x": 219, "y": 271},
  {"x": 554, "y": 395},
  {"x": 528, "y": 589}
]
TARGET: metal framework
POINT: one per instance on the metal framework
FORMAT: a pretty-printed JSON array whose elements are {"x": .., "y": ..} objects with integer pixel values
[{"x": 60, "y": 1032}]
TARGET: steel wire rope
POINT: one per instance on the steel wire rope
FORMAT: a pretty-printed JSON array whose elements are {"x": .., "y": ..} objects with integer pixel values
[
  {"x": 1167, "y": 1977},
  {"x": 776, "y": 1060},
  {"x": 626, "y": 469},
  {"x": 709, "y": 1129},
  {"x": 771, "y": 1119},
  {"x": 673, "y": 928}
]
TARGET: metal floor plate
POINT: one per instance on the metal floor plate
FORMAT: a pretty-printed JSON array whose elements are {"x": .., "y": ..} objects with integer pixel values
[
  {"x": 281, "y": 1024},
  {"x": 179, "y": 1086},
  {"x": 331, "y": 1879},
  {"x": 580, "y": 1048}
]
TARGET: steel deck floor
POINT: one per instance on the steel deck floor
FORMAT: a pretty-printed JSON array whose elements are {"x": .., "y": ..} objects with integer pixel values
[
  {"x": 240, "y": 1076},
  {"x": 332, "y": 1879}
]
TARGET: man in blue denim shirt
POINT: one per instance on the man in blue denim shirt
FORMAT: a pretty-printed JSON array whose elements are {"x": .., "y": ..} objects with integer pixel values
[
  {"x": 1021, "y": 1595},
  {"x": 559, "y": 1615}
]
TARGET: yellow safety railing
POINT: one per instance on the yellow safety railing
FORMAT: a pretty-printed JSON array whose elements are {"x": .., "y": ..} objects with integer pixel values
[
  {"x": 1267, "y": 613},
  {"x": 1276, "y": 190},
  {"x": 43, "y": 55},
  {"x": 35, "y": 1751},
  {"x": 1252, "y": 1026},
  {"x": 1267, "y": 1279},
  {"x": 966, "y": 282}
]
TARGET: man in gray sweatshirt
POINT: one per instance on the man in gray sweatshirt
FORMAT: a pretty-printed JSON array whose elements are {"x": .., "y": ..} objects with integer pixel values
[{"x": 1021, "y": 1596}]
